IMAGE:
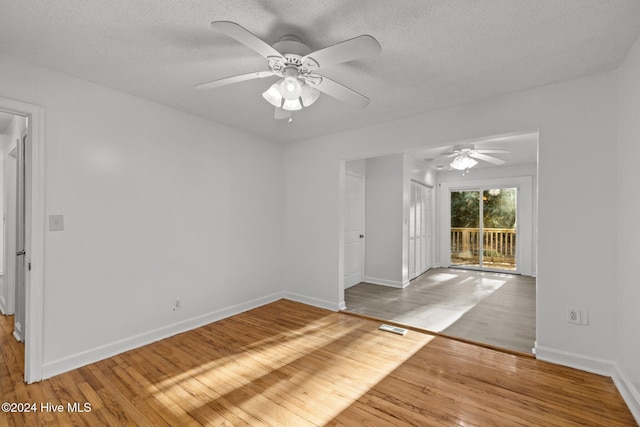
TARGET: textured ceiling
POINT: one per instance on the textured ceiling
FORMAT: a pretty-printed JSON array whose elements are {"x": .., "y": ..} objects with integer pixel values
[{"x": 435, "y": 53}]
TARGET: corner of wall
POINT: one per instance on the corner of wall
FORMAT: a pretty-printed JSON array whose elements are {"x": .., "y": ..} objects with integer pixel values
[{"x": 628, "y": 391}]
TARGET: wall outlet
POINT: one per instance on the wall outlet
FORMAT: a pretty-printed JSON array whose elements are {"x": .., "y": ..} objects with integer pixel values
[
  {"x": 573, "y": 316},
  {"x": 579, "y": 316},
  {"x": 177, "y": 304}
]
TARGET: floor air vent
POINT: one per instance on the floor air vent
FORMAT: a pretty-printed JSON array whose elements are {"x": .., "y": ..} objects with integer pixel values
[{"x": 394, "y": 329}]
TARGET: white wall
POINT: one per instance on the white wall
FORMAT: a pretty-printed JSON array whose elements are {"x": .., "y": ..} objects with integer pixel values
[
  {"x": 384, "y": 227},
  {"x": 628, "y": 221},
  {"x": 418, "y": 170},
  {"x": 157, "y": 205},
  {"x": 359, "y": 167},
  {"x": 577, "y": 127}
]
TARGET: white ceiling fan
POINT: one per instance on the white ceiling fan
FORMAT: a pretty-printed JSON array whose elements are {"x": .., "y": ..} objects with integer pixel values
[
  {"x": 466, "y": 156},
  {"x": 299, "y": 85}
]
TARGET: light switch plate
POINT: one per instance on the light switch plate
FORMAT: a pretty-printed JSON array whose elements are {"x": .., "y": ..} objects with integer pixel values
[{"x": 56, "y": 223}]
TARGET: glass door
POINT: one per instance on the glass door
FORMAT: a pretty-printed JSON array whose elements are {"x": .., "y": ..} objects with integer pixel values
[
  {"x": 489, "y": 243},
  {"x": 465, "y": 228}
]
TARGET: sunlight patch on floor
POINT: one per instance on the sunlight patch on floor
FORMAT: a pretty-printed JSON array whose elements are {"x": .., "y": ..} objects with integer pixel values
[{"x": 316, "y": 373}]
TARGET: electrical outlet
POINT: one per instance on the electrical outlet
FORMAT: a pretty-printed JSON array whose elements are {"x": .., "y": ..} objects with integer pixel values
[
  {"x": 177, "y": 304},
  {"x": 573, "y": 316}
]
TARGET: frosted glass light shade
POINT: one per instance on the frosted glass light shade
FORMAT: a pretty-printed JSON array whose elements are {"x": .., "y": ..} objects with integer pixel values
[
  {"x": 309, "y": 95},
  {"x": 272, "y": 95},
  {"x": 290, "y": 88},
  {"x": 463, "y": 162},
  {"x": 292, "y": 105}
]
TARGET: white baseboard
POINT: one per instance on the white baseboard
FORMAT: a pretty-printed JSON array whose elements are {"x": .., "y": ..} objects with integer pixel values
[
  {"x": 316, "y": 302},
  {"x": 629, "y": 392},
  {"x": 3, "y": 306},
  {"x": 75, "y": 361},
  {"x": 385, "y": 282},
  {"x": 577, "y": 361},
  {"x": 17, "y": 332}
]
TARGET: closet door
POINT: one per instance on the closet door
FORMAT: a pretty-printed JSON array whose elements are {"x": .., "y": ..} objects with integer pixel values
[
  {"x": 412, "y": 233},
  {"x": 420, "y": 229}
]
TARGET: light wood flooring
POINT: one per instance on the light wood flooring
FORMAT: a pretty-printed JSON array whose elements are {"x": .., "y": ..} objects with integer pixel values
[
  {"x": 497, "y": 309},
  {"x": 288, "y": 364}
]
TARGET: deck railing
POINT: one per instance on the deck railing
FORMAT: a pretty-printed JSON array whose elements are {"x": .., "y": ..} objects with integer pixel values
[{"x": 499, "y": 245}]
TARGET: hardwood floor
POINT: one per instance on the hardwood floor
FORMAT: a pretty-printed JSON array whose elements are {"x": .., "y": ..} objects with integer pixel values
[
  {"x": 497, "y": 309},
  {"x": 291, "y": 364}
]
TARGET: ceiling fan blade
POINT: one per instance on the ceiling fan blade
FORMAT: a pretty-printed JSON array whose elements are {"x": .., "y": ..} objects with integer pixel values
[
  {"x": 347, "y": 50},
  {"x": 486, "y": 158},
  {"x": 245, "y": 37},
  {"x": 341, "y": 93},
  {"x": 492, "y": 151},
  {"x": 234, "y": 79},
  {"x": 281, "y": 114}
]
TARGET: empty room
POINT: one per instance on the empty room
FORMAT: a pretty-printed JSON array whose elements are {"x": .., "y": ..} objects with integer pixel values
[{"x": 192, "y": 190}]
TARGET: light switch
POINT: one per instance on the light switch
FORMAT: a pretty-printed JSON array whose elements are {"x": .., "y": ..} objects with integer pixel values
[{"x": 56, "y": 223}]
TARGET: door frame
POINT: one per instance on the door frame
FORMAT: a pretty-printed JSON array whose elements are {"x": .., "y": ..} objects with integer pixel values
[
  {"x": 34, "y": 242},
  {"x": 524, "y": 243}
]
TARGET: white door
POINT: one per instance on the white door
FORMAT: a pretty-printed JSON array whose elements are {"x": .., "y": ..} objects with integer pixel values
[
  {"x": 420, "y": 229},
  {"x": 20, "y": 270},
  {"x": 427, "y": 229},
  {"x": 353, "y": 230}
]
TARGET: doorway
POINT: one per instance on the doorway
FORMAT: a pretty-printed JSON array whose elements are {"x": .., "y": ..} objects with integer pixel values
[
  {"x": 354, "y": 194},
  {"x": 32, "y": 253},
  {"x": 12, "y": 291},
  {"x": 484, "y": 228}
]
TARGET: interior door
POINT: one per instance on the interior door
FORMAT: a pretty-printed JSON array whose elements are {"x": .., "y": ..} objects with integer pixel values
[
  {"x": 20, "y": 241},
  {"x": 353, "y": 230}
]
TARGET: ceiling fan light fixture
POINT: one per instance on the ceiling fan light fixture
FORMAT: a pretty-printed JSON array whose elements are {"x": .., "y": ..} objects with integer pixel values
[
  {"x": 291, "y": 88},
  {"x": 273, "y": 96},
  {"x": 309, "y": 95},
  {"x": 463, "y": 162},
  {"x": 292, "y": 105}
]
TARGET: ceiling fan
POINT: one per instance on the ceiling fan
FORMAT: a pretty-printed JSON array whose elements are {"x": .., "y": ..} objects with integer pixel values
[
  {"x": 299, "y": 85},
  {"x": 466, "y": 156}
]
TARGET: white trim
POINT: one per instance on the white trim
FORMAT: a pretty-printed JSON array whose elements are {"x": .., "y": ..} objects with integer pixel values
[
  {"x": 316, "y": 302},
  {"x": 34, "y": 293},
  {"x": 86, "y": 357},
  {"x": 630, "y": 394},
  {"x": 628, "y": 391},
  {"x": 385, "y": 282},
  {"x": 3, "y": 306},
  {"x": 573, "y": 360}
]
